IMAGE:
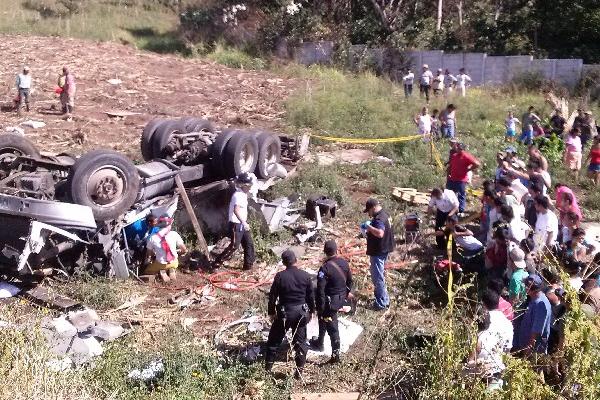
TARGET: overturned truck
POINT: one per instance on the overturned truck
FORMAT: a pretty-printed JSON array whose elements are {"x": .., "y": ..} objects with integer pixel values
[{"x": 60, "y": 212}]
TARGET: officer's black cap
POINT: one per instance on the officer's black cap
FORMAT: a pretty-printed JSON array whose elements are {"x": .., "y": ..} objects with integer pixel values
[
  {"x": 330, "y": 247},
  {"x": 288, "y": 258}
]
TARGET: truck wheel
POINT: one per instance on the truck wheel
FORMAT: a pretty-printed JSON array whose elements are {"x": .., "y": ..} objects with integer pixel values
[
  {"x": 162, "y": 137},
  {"x": 13, "y": 146},
  {"x": 217, "y": 152},
  {"x": 241, "y": 154},
  {"x": 147, "y": 134},
  {"x": 105, "y": 181},
  {"x": 192, "y": 124},
  {"x": 269, "y": 152}
]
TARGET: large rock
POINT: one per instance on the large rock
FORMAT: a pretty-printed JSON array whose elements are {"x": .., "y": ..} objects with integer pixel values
[{"x": 84, "y": 348}]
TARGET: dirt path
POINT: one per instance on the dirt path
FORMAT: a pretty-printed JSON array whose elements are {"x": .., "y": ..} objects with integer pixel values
[{"x": 153, "y": 85}]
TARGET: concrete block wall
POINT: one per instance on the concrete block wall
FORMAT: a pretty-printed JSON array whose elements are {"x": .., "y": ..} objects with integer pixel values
[{"x": 482, "y": 68}]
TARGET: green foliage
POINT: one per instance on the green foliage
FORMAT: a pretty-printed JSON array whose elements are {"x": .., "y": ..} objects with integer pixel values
[
  {"x": 552, "y": 148},
  {"x": 55, "y": 8},
  {"x": 235, "y": 58},
  {"x": 191, "y": 372}
]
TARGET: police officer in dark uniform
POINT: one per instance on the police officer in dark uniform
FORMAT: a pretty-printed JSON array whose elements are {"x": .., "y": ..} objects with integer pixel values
[
  {"x": 334, "y": 283},
  {"x": 291, "y": 304}
]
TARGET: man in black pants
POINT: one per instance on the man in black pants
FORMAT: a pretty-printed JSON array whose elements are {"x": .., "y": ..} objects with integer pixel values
[
  {"x": 239, "y": 230},
  {"x": 446, "y": 204},
  {"x": 291, "y": 304},
  {"x": 334, "y": 283}
]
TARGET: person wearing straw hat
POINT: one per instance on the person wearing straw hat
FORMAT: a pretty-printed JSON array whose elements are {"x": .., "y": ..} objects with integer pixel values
[{"x": 24, "y": 82}]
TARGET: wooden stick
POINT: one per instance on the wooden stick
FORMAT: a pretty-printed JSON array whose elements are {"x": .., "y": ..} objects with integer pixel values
[{"x": 193, "y": 218}]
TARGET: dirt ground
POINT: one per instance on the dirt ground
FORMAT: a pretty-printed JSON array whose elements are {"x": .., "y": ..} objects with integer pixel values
[
  {"x": 152, "y": 85},
  {"x": 169, "y": 86}
]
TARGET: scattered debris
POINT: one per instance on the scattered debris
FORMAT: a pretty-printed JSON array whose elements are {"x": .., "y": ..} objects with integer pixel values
[
  {"x": 121, "y": 113},
  {"x": 50, "y": 299},
  {"x": 7, "y": 290},
  {"x": 349, "y": 332},
  {"x": 201, "y": 294},
  {"x": 34, "y": 124},
  {"x": 114, "y": 81},
  {"x": 411, "y": 195},
  {"x": 153, "y": 371},
  {"x": 320, "y": 206},
  {"x": 385, "y": 160},
  {"x": 15, "y": 130},
  {"x": 76, "y": 337}
]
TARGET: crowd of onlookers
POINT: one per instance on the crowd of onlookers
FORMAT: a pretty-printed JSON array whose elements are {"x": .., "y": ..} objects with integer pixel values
[
  {"x": 443, "y": 83},
  {"x": 529, "y": 249}
]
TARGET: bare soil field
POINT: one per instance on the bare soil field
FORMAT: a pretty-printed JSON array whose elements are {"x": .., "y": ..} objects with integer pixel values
[{"x": 152, "y": 85}]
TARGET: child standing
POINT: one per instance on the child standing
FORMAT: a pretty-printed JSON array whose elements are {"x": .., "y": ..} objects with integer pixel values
[
  {"x": 423, "y": 122},
  {"x": 511, "y": 127},
  {"x": 572, "y": 155}
]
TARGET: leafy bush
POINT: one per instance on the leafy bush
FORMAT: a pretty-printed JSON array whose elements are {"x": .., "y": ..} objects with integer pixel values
[
  {"x": 589, "y": 84},
  {"x": 552, "y": 148}
]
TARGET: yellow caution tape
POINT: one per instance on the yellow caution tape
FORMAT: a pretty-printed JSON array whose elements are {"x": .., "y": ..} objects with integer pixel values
[
  {"x": 475, "y": 192},
  {"x": 450, "y": 274},
  {"x": 367, "y": 141},
  {"x": 437, "y": 157}
]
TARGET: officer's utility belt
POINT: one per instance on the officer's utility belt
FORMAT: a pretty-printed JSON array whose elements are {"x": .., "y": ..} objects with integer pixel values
[
  {"x": 334, "y": 299},
  {"x": 284, "y": 311}
]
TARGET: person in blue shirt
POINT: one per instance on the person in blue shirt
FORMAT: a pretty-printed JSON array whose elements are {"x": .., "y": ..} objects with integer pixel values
[{"x": 534, "y": 327}]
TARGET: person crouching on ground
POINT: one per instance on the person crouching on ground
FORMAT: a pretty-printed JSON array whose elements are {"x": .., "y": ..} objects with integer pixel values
[
  {"x": 239, "y": 229},
  {"x": 380, "y": 243},
  {"x": 162, "y": 247}
]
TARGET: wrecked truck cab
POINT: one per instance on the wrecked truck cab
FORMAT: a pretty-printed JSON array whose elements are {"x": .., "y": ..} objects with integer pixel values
[{"x": 73, "y": 213}]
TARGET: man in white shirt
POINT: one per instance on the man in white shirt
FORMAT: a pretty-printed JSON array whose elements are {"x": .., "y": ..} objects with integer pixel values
[
  {"x": 408, "y": 81},
  {"x": 445, "y": 202},
  {"x": 239, "y": 229},
  {"x": 24, "y": 88},
  {"x": 546, "y": 226},
  {"x": 425, "y": 82},
  {"x": 462, "y": 80},
  {"x": 438, "y": 83},
  {"x": 162, "y": 250}
]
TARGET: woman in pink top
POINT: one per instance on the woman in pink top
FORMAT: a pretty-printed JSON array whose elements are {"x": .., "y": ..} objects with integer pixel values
[
  {"x": 572, "y": 156},
  {"x": 561, "y": 190}
]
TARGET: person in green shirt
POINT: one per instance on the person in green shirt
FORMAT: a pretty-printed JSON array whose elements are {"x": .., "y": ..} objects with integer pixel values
[{"x": 516, "y": 288}]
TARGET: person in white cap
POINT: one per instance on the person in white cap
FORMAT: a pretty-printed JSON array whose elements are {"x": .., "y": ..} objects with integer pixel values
[
  {"x": 408, "y": 81},
  {"x": 425, "y": 82},
  {"x": 24, "y": 88}
]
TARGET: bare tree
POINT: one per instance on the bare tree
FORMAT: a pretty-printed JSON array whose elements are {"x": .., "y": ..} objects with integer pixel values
[
  {"x": 391, "y": 13},
  {"x": 439, "y": 14}
]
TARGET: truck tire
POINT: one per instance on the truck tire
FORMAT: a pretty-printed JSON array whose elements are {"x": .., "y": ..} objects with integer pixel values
[
  {"x": 105, "y": 181},
  {"x": 162, "y": 136},
  {"x": 241, "y": 154},
  {"x": 12, "y": 146},
  {"x": 146, "y": 141},
  {"x": 192, "y": 124},
  {"x": 269, "y": 152},
  {"x": 217, "y": 151}
]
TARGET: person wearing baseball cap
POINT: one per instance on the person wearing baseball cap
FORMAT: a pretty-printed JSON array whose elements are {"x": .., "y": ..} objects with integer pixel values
[
  {"x": 239, "y": 229},
  {"x": 534, "y": 328},
  {"x": 380, "y": 243},
  {"x": 425, "y": 82},
  {"x": 334, "y": 285},
  {"x": 24, "y": 82},
  {"x": 516, "y": 286},
  {"x": 291, "y": 305}
]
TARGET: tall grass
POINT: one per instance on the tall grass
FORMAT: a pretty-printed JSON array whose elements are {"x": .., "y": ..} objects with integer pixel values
[{"x": 98, "y": 20}]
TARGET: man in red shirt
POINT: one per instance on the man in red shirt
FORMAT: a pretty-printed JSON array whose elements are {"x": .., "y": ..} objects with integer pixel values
[{"x": 459, "y": 164}]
